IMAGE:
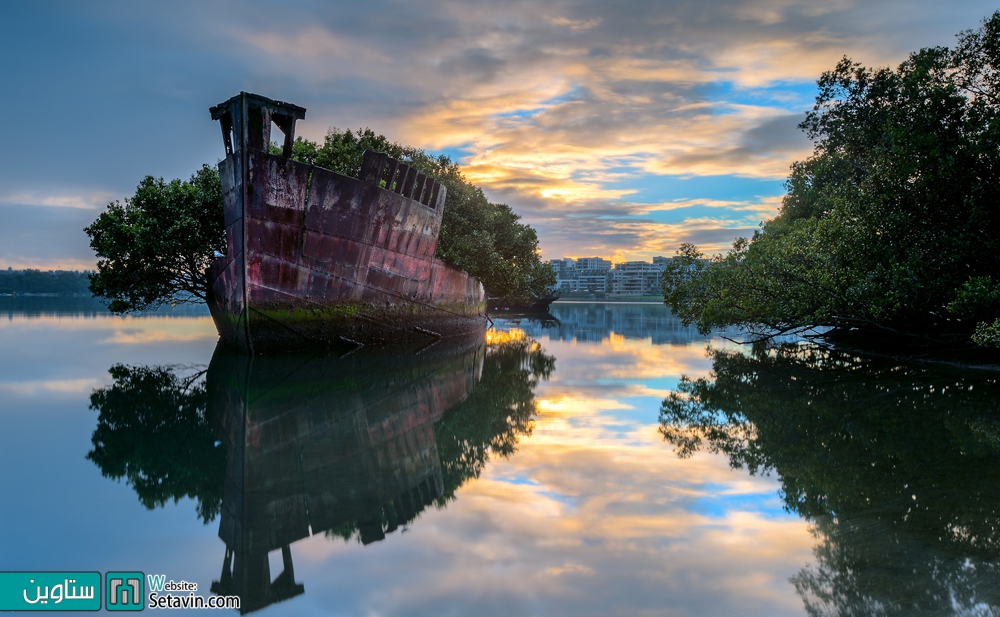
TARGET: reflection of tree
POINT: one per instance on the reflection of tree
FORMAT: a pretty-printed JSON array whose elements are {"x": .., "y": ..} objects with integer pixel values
[
  {"x": 497, "y": 412},
  {"x": 152, "y": 431},
  {"x": 897, "y": 465}
]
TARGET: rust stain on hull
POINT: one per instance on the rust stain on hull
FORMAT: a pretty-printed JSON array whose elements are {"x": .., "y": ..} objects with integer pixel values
[{"x": 319, "y": 259}]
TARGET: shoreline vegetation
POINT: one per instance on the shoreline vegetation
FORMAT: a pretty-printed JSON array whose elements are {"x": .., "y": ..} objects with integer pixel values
[
  {"x": 889, "y": 234},
  {"x": 55, "y": 305}
]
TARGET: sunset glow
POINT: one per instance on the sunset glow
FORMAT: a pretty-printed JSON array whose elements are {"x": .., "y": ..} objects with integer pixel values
[{"x": 617, "y": 130}]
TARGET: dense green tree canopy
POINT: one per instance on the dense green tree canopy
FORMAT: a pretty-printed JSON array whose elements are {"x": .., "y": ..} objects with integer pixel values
[
  {"x": 892, "y": 225},
  {"x": 157, "y": 247}
]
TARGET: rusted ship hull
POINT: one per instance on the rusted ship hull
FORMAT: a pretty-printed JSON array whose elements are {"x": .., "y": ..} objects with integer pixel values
[{"x": 319, "y": 259}]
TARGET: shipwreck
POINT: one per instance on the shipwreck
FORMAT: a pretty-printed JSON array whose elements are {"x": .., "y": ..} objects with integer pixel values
[{"x": 318, "y": 259}]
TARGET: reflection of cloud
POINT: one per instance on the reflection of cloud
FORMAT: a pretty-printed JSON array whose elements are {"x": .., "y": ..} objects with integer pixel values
[
  {"x": 137, "y": 337},
  {"x": 573, "y": 406},
  {"x": 123, "y": 330},
  {"x": 618, "y": 362},
  {"x": 593, "y": 515},
  {"x": 602, "y": 524}
]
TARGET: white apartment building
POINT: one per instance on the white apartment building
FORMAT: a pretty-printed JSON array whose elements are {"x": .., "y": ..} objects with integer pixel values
[{"x": 598, "y": 275}]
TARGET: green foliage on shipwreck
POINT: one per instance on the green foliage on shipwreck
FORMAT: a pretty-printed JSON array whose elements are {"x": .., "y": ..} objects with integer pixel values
[{"x": 156, "y": 247}]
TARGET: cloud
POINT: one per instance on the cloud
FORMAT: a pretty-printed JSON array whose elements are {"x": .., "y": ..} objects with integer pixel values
[
  {"x": 61, "y": 387},
  {"x": 159, "y": 335},
  {"x": 578, "y": 25},
  {"x": 552, "y": 106},
  {"x": 636, "y": 235},
  {"x": 569, "y": 569},
  {"x": 93, "y": 201}
]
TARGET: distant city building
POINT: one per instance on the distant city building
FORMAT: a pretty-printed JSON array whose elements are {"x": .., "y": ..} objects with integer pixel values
[
  {"x": 599, "y": 276},
  {"x": 593, "y": 274},
  {"x": 593, "y": 263}
]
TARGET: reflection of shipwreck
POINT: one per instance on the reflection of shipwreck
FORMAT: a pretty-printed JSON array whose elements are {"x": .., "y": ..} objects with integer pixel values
[
  {"x": 344, "y": 446},
  {"x": 319, "y": 259}
]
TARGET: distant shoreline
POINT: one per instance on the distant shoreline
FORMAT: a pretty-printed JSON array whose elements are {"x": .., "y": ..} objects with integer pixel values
[
  {"x": 635, "y": 300},
  {"x": 46, "y": 295}
]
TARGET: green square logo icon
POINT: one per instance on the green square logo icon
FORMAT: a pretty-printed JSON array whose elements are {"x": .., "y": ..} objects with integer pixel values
[{"x": 124, "y": 591}]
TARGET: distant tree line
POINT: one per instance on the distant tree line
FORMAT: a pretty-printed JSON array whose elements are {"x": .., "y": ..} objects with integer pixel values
[
  {"x": 60, "y": 282},
  {"x": 892, "y": 226}
]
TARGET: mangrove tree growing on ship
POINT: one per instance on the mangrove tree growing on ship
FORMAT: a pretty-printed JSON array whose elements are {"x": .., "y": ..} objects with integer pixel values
[{"x": 156, "y": 247}]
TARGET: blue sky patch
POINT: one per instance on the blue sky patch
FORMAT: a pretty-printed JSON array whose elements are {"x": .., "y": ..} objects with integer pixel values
[{"x": 652, "y": 189}]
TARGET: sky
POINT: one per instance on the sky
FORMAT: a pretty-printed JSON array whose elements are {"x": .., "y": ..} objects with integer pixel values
[{"x": 617, "y": 129}]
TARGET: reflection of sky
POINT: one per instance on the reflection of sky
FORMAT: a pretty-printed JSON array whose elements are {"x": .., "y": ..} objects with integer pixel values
[
  {"x": 57, "y": 512},
  {"x": 593, "y": 515}
]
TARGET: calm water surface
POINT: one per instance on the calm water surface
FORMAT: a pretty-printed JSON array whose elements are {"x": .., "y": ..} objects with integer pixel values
[{"x": 607, "y": 462}]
